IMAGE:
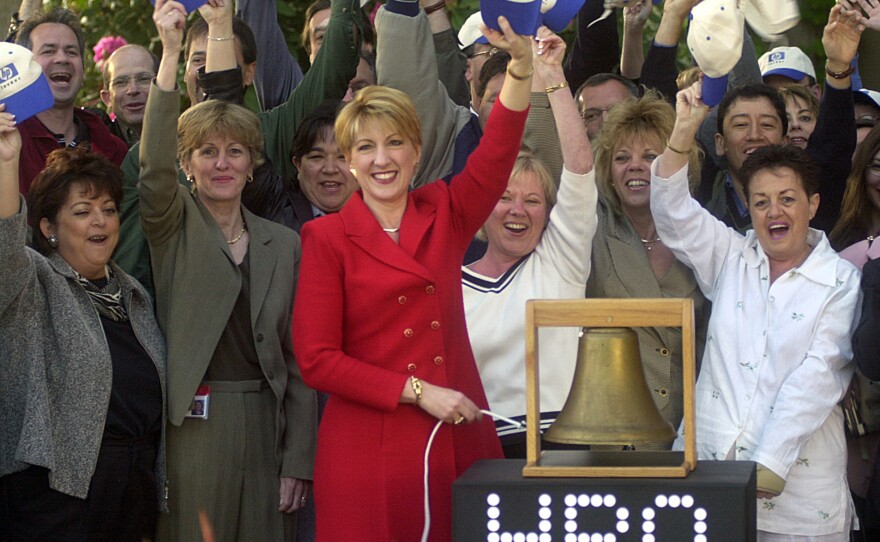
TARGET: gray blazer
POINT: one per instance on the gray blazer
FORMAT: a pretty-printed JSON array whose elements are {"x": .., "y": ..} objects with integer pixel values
[
  {"x": 56, "y": 372},
  {"x": 621, "y": 270},
  {"x": 197, "y": 283}
]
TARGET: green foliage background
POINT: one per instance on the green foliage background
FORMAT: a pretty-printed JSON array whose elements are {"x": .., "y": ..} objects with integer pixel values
[{"x": 132, "y": 19}]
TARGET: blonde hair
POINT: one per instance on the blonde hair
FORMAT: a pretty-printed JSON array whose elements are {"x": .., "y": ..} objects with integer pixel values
[
  {"x": 218, "y": 117},
  {"x": 649, "y": 118},
  {"x": 526, "y": 162},
  {"x": 386, "y": 107}
]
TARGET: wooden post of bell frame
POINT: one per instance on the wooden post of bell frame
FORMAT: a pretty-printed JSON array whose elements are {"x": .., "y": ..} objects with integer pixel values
[{"x": 609, "y": 313}]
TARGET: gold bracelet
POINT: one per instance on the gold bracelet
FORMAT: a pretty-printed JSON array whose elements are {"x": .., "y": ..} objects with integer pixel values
[
  {"x": 417, "y": 388},
  {"x": 554, "y": 88},
  {"x": 212, "y": 38},
  {"x": 673, "y": 149},
  {"x": 519, "y": 77}
]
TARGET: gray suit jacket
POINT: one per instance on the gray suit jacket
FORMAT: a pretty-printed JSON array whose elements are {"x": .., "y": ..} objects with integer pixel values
[
  {"x": 621, "y": 270},
  {"x": 55, "y": 367},
  {"x": 197, "y": 283}
]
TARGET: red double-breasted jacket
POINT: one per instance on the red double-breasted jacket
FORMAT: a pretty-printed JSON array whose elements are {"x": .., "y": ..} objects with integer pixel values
[{"x": 369, "y": 314}]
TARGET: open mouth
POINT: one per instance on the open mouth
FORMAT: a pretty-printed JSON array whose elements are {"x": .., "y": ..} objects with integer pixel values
[
  {"x": 778, "y": 230},
  {"x": 98, "y": 238},
  {"x": 637, "y": 184},
  {"x": 384, "y": 177},
  {"x": 60, "y": 77},
  {"x": 515, "y": 227},
  {"x": 330, "y": 186},
  {"x": 799, "y": 141}
]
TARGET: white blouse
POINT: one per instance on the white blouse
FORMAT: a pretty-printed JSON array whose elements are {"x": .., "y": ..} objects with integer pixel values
[
  {"x": 495, "y": 309},
  {"x": 777, "y": 359}
]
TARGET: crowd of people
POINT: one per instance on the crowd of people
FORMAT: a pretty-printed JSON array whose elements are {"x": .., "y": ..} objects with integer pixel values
[{"x": 226, "y": 324}]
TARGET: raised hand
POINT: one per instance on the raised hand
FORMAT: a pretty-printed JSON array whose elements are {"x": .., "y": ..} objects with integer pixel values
[
  {"x": 519, "y": 47},
  {"x": 635, "y": 15},
  {"x": 10, "y": 139},
  {"x": 169, "y": 17},
  {"x": 841, "y": 37},
  {"x": 549, "y": 50},
  {"x": 871, "y": 9},
  {"x": 216, "y": 11}
]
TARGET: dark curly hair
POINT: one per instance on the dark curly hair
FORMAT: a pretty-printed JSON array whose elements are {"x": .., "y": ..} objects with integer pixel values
[{"x": 51, "y": 188}]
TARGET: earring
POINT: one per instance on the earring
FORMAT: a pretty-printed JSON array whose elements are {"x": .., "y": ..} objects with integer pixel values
[
  {"x": 192, "y": 181},
  {"x": 53, "y": 241},
  {"x": 250, "y": 178}
]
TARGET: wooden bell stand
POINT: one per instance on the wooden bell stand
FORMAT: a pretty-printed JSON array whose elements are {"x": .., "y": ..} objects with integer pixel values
[{"x": 608, "y": 313}]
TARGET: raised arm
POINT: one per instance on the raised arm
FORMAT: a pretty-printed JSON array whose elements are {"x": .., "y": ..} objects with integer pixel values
[
  {"x": 451, "y": 62},
  {"x": 577, "y": 154},
  {"x": 413, "y": 69},
  {"x": 697, "y": 239},
  {"x": 834, "y": 137},
  {"x": 660, "y": 68},
  {"x": 595, "y": 49},
  {"x": 161, "y": 207},
  {"x": 327, "y": 79},
  {"x": 632, "y": 52},
  {"x": 278, "y": 73},
  {"x": 10, "y": 148},
  {"x": 15, "y": 266}
]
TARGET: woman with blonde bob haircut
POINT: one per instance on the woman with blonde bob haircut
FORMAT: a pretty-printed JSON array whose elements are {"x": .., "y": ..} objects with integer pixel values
[
  {"x": 200, "y": 122},
  {"x": 241, "y": 432},
  {"x": 382, "y": 106},
  {"x": 379, "y": 319},
  {"x": 629, "y": 258}
]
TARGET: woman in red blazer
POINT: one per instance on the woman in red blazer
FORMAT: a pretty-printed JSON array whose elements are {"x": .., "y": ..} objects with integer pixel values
[{"x": 379, "y": 320}]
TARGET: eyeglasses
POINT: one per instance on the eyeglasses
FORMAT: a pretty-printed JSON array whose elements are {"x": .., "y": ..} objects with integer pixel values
[
  {"x": 593, "y": 115},
  {"x": 141, "y": 80},
  {"x": 489, "y": 52}
]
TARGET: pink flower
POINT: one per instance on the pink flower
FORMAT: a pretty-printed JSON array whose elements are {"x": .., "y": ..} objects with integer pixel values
[{"x": 105, "y": 47}]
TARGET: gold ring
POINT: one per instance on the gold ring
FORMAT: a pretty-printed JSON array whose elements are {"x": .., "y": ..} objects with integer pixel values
[{"x": 459, "y": 420}]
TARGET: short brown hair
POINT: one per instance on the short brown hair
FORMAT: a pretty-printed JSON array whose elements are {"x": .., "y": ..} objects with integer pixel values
[
  {"x": 776, "y": 157},
  {"x": 51, "y": 188},
  {"x": 385, "y": 106},
  {"x": 218, "y": 117}
]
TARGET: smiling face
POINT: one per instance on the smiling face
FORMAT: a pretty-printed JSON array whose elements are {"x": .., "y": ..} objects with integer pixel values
[
  {"x": 130, "y": 72},
  {"x": 631, "y": 172},
  {"x": 56, "y": 49},
  {"x": 87, "y": 228},
  {"x": 781, "y": 211},
  {"x": 516, "y": 224},
  {"x": 323, "y": 174},
  {"x": 801, "y": 122},
  {"x": 384, "y": 164},
  {"x": 748, "y": 125},
  {"x": 220, "y": 167}
]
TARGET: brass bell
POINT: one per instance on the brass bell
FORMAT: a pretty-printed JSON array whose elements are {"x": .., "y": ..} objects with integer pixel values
[{"x": 609, "y": 402}]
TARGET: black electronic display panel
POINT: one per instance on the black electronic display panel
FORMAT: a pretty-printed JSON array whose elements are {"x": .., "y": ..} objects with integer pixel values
[{"x": 493, "y": 502}]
